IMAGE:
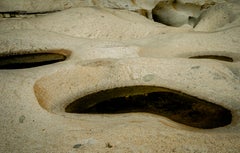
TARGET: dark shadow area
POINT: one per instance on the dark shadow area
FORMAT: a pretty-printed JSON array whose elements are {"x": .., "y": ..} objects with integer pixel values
[
  {"x": 13, "y": 14},
  {"x": 216, "y": 57},
  {"x": 21, "y": 61},
  {"x": 174, "y": 105}
]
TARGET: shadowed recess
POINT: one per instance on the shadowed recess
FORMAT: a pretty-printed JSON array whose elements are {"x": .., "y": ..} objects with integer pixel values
[
  {"x": 174, "y": 105},
  {"x": 20, "y": 14},
  {"x": 29, "y": 60},
  {"x": 216, "y": 57},
  {"x": 176, "y": 14}
]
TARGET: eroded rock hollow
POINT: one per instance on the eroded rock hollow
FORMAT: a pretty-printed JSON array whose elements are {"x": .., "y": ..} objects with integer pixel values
[{"x": 120, "y": 76}]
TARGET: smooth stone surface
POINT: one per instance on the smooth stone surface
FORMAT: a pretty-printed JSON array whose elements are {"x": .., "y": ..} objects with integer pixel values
[{"x": 117, "y": 50}]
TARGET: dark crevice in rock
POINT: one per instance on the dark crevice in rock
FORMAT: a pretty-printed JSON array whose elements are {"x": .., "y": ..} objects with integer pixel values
[
  {"x": 21, "y": 61},
  {"x": 216, "y": 57},
  {"x": 174, "y": 105},
  {"x": 16, "y": 14}
]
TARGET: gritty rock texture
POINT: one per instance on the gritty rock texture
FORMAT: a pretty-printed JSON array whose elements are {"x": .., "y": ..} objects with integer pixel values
[
  {"x": 40, "y": 5},
  {"x": 90, "y": 22},
  {"x": 214, "y": 18},
  {"x": 107, "y": 48},
  {"x": 143, "y": 7}
]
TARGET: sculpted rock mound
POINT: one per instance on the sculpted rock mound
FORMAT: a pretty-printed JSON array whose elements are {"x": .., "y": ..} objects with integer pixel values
[{"x": 119, "y": 76}]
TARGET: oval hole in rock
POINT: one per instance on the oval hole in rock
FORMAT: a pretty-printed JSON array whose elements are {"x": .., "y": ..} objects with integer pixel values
[
  {"x": 174, "y": 105},
  {"x": 29, "y": 60},
  {"x": 216, "y": 57}
]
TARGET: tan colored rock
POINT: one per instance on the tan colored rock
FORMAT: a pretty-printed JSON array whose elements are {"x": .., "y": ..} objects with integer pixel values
[
  {"x": 52, "y": 5},
  {"x": 90, "y": 22},
  {"x": 214, "y": 18},
  {"x": 74, "y": 53},
  {"x": 143, "y": 7}
]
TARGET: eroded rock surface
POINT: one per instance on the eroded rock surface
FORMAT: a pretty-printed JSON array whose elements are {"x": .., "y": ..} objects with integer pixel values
[{"x": 63, "y": 60}]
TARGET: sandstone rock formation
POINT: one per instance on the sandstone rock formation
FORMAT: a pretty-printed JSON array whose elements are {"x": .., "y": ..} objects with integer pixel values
[{"x": 120, "y": 76}]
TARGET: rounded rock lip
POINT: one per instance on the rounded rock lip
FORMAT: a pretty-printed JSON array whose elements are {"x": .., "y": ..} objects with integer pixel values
[
  {"x": 30, "y": 59},
  {"x": 71, "y": 84}
]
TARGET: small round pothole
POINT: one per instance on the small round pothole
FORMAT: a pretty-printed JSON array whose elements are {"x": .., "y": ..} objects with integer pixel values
[
  {"x": 29, "y": 60},
  {"x": 215, "y": 57},
  {"x": 177, "y": 106}
]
